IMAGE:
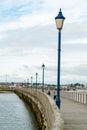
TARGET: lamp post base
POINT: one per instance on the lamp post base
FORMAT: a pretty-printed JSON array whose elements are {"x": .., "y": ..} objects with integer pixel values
[{"x": 58, "y": 101}]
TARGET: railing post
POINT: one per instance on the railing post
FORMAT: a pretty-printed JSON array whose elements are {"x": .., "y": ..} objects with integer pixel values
[{"x": 86, "y": 98}]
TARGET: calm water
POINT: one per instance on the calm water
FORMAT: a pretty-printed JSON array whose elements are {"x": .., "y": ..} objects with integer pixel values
[{"x": 15, "y": 114}]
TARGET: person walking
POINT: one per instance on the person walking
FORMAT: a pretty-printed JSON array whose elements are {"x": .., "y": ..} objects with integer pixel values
[
  {"x": 48, "y": 92},
  {"x": 55, "y": 93}
]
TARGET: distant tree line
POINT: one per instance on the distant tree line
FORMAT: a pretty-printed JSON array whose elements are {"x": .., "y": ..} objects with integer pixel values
[{"x": 74, "y": 86}]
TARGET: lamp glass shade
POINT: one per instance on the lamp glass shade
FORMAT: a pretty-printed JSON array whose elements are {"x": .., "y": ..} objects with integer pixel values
[{"x": 59, "y": 23}]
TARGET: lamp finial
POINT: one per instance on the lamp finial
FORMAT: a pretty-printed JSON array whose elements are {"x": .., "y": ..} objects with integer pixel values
[{"x": 60, "y": 9}]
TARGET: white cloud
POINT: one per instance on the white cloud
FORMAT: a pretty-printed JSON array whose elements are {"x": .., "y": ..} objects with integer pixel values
[{"x": 28, "y": 38}]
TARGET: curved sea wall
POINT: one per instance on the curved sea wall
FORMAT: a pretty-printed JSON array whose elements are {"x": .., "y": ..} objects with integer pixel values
[{"x": 47, "y": 113}]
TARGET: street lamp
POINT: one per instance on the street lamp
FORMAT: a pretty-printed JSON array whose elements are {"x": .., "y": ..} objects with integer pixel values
[
  {"x": 31, "y": 81},
  {"x": 36, "y": 80},
  {"x": 43, "y": 67},
  {"x": 27, "y": 83},
  {"x": 59, "y": 24}
]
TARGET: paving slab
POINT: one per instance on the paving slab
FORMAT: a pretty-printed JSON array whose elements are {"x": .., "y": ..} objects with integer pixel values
[{"x": 74, "y": 115}]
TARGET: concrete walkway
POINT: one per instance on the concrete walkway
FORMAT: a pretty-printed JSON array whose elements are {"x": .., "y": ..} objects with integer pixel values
[{"x": 74, "y": 115}]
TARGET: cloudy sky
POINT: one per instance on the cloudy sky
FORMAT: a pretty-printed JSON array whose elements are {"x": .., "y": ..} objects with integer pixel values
[{"x": 28, "y": 38}]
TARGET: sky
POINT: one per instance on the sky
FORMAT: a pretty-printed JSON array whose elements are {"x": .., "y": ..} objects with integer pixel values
[{"x": 29, "y": 38}]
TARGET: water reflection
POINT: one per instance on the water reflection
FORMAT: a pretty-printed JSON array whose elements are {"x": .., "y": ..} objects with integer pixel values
[{"x": 15, "y": 114}]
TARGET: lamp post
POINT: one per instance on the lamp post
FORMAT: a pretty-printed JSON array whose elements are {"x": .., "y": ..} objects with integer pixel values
[
  {"x": 59, "y": 24},
  {"x": 36, "y": 80},
  {"x": 43, "y": 67},
  {"x": 27, "y": 83},
  {"x": 31, "y": 81}
]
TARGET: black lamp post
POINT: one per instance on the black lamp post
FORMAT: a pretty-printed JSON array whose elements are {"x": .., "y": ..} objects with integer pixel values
[
  {"x": 36, "y": 80},
  {"x": 31, "y": 82},
  {"x": 43, "y": 67},
  {"x": 27, "y": 83},
  {"x": 59, "y": 24}
]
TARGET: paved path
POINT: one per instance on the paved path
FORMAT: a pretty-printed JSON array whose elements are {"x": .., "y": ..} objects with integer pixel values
[{"x": 74, "y": 114}]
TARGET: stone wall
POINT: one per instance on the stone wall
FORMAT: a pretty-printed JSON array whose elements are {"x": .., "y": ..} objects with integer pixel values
[{"x": 47, "y": 113}]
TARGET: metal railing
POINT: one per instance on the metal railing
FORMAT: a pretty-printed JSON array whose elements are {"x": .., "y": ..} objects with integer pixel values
[{"x": 77, "y": 96}]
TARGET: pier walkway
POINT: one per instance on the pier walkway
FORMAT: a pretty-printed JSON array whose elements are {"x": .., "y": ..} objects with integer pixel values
[{"x": 74, "y": 115}]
